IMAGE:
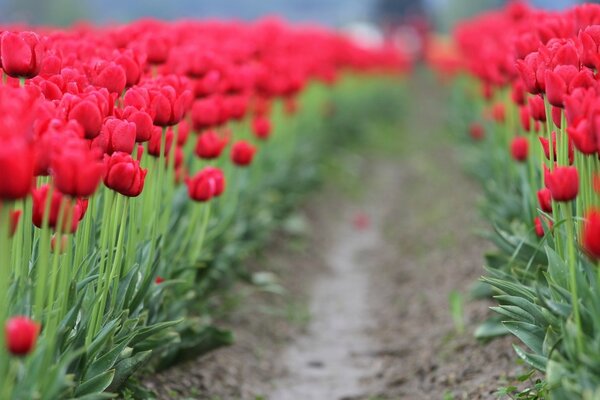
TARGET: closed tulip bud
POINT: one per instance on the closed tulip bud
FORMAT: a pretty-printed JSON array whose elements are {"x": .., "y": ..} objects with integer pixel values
[
  {"x": 525, "y": 118},
  {"x": 219, "y": 179},
  {"x": 76, "y": 169},
  {"x": 16, "y": 163},
  {"x": 519, "y": 148},
  {"x": 21, "y": 54},
  {"x": 545, "y": 199},
  {"x": 546, "y": 146},
  {"x": 563, "y": 183},
  {"x": 202, "y": 186},
  {"x": 242, "y": 153},
  {"x": 62, "y": 245},
  {"x": 89, "y": 116},
  {"x": 58, "y": 200},
  {"x": 557, "y": 116},
  {"x": 155, "y": 142},
  {"x": 143, "y": 123},
  {"x": 21, "y": 335},
  {"x": 124, "y": 174},
  {"x": 556, "y": 88},
  {"x": 15, "y": 216},
  {"x": 498, "y": 112},
  {"x": 183, "y": 132},
  {"x": 537, "y": 108},
  {"x": 539, "y": 226},
  {"x": 116, "y": 135},
  {"x": 261, "y": 126},
  {"x": 476, "y": 131},
  {"x": 210, "y": 145},
  {"x": 206, "y": 113},
  {"x": 109, "y": 75},
  {"x": 590, "y": 234}
]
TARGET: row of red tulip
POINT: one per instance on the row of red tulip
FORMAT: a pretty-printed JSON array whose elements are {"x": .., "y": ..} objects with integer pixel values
[
  {"x": 80, "y": 107},
  {"x": 538, "y": 79}
]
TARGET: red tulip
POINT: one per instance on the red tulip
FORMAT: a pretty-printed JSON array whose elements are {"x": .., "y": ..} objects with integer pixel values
[
  {"x": 539, "y": 226},
  {"x": 261, "y": 127},
  {"x": 563, "y": 183},
  {"x": 16, "y": 164},
  {"x": 109, "y": 75},
  {"x": 519, "y": 148},
  {"x": 219, "y": 178},
  {"x": 590, "y": 234},
  {"x": 476, "y": 131},
  {"x": 76, "y": 169},
  {"x": 210, "y": 145},
  {"x": 545, "y": 199},
  {"x": 21, "y": 335},
  {"x": 40, "y": 196},
  {"x": 155, "y": 142},
  {"x": 21, "y": 54},
  {"x": 116, "y": 135},
  {"x": 242, "y": 153},
  {"x": 205, "y": 113},
  {"x": 202, "y": 186},
  {"x": 124, "y": 174}
]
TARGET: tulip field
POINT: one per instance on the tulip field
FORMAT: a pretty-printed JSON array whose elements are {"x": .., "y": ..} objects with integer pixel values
[
  {"x": 530, "y": 93},
  {"x": 143, "y": 164},
  {"x": 138, "y": 163}
]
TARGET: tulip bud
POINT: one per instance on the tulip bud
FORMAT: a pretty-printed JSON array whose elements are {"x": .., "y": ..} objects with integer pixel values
[
  {"x": 563, "y": 183},
  {"x": 539, "y": 226},
  {"x": 16, "y": 164},
  {"x": 210, "y": 145},
  {"x": 590, "y": 234},
  {"x": 116, "y": 135},
  {"x": 242, "y": 153},
  {"x": 476, "y": 131},
  {"x": 545, "y": 199},
  {"x": 202, "y": 186},
  {"x": 21, "y": 335},
  {"x": 261, "y": 127},
  {"x": 76, "y": 169},
  {"x": 124, "y": 174},
  {"x": 21, "y": 54},
  {"x": 519, "y": 148}
]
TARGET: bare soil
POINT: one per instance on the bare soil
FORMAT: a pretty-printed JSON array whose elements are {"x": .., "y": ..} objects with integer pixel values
[{"x": 366, "y": 312}]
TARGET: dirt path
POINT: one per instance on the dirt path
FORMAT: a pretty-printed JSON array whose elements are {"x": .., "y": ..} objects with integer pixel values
[{"x": 377, "y": 297}]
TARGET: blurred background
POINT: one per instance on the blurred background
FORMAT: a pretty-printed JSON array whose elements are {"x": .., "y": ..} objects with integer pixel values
[{"x": 329, "y": 12}]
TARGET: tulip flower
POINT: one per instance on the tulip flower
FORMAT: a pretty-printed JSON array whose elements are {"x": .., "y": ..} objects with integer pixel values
[
  {"x": 21, "y": 335},
  {"x": 76, "y": 169},
  {"x": 476, "y": 131},
  {"x": 563, "y": 183},
  {"x": 116, "y": 135},
  {"x": 590, "y": 234},
  {"x": 16, "y": 164},
  {"x": 539, "y": 226},
  {"x": 545, "y": 199},
  {"x": 124, "y": 174},
  {"x": 242, "y": 153},
  {"x": 210, "y": 145},
  {"x": 21, "y": 54},
  {"x": 519, "y": 148},
  {"x": 202, "y": 186},
  {"x": 58, "y": 200},
  {"x": 261, "y": 127}
]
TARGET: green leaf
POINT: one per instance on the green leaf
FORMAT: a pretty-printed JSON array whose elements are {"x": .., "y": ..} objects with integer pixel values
[
  {"x": 97, "y": 384},
  {"x": 536, "y": 361},
  {"x": 531, "y": 335},
  {"x": 127, "y": 367},
  {"x": 105, "y": 362},
  {"x": 490, "y": 329}
]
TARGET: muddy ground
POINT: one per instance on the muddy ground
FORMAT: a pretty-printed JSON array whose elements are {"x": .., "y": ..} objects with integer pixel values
[{"x": 366, "y": 312}]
